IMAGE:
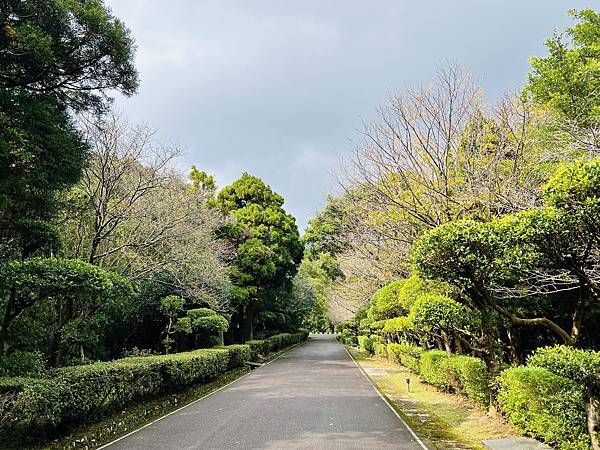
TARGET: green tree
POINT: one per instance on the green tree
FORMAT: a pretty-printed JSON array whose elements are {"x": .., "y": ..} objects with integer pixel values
[
  {"x": 267, "y": 243},
  {"x": 568, "y": 79},
  {"x": 172, "y": 307},
  {"x": 80, "y": 293},
  {"x": 56, "y": 56}
]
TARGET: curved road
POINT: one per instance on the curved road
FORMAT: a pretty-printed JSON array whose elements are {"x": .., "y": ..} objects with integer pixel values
[{"x": 313, "y": 397}]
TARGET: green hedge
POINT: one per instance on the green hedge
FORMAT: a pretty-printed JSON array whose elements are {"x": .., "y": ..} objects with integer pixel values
[
  {"x": 365, "y": 343},
  {"x": 257, "y": 347},
  {"x": 380, "y": 349},
  {"x": 82, "y": 392},
  {"x": 406, "y": 355},
  {"x": 281, "y": 340},
  {"x": 469, "y": 376},
  {"x": 432, "y": 369},
  {"x": 238, "y": 354},
  {"x": 545, "y": 405},
  {"x": 582, "y": 366}
]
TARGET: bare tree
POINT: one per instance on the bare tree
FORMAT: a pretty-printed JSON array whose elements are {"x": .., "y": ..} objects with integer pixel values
[{"x": 134, "y": 214}]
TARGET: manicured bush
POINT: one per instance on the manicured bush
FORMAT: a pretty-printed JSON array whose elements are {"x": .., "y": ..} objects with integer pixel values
[
  {"x": 545, "y": 405},
  {"x": 257, "y": 347},
  {"x": 351, "y": 340},
  {"x": 237, "y": 354},
  {"x": 579, "y": 365},
  {"x": 432, "y": 369},
  {"x": 380, "y": 349},
  {"x": 82, "y": 392},
  {"x": 406, "y": 355},
  {"x": 281, "y": 340},
  {"x": 365, "y": 343},
  {"x": 469, "y": 376}
]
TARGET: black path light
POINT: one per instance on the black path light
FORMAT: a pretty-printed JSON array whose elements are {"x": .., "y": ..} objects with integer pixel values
[{"x": 408, "y": 384}]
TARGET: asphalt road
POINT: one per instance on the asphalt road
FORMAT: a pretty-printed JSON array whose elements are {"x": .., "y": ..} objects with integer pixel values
[{"x": 313, "y": 397}]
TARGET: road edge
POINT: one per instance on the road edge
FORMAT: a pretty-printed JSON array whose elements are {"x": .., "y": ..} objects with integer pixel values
[
  {"x": 386, "y": 401},
  {"x": 286, "y": 351}
]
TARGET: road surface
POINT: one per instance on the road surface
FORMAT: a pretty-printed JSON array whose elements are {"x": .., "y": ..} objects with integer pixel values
[{"x": 313, "y": 397}]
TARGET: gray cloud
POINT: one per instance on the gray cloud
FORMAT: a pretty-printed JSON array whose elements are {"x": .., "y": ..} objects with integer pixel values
[{"x": 277, "y": 88}]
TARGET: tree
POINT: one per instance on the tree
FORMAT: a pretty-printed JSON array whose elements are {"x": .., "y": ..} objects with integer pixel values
[
  {"x": 79, "y": 292},
  {"x": 206, "y": 322},
  {"x": 267, "y": 243},
  {"x": 171, "y": 307},
  {"x": 132, "y": 213},
  {"x": 55, "y": 57},
  {"x": 69, "y": 51},
  {"x": 568, "y": 79}
]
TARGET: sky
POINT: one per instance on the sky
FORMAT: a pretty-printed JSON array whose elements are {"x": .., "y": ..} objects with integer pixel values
[{"x": 279, "y": 88}]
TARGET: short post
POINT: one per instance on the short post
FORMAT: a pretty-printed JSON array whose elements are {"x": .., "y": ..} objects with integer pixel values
[{"x": 408, "y": 384}]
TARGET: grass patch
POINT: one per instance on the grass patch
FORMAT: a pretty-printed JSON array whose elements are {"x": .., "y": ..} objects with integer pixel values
[{"x": 445, "y": 420}]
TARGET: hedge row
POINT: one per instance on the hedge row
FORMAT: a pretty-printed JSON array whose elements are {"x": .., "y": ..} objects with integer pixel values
[
  {"x": 545, "y": 405},
  {"x": 545, "y": 399},
  {"x": 85, "y": 392},
  {"x": 405, "y": 355},
  {"x": 365, "y": 343}
]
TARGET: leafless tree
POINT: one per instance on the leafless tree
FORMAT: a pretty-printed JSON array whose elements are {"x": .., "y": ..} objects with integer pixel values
[{"x": 134, "y": 214}]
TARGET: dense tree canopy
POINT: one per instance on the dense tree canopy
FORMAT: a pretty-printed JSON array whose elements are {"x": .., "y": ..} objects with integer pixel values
[{"x": 266, "y": 238}]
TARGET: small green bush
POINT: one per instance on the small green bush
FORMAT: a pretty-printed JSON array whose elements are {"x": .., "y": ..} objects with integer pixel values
[
  {"x": 405, "y": 355},
  {"x": 351, "y": 341},
  {"x": 545, "y": 405},
  {"x": 257, "y": 347},
  {"x": 380, "y": 349},
  {"x": 582, "y": 366},
  {"x": 432, "y": 369},
  {"x": 365, "y": 343},
  {"x": 237, "y": 354},
  {"x": 469, "y": 376}
]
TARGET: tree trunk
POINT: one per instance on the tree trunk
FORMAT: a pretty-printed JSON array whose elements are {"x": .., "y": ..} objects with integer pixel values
[
  {"x": 446, "y": 340},
  {"x": 592, "y": 408},
  {"x": 247, "y": 319},
  {"x": 81, "y": 353}
]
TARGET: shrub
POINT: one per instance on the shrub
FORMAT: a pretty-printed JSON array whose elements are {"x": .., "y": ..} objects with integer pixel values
[
  {"x": 77, "y": 393},
  {"x": 432, "y": 369},
  {"x": 380, "y": 349},
  {"x": 257, "y": 347},
  {"x": 406, "y": 355},
  {"x": 31, "y": 364},
  {"x": 237, "y": 354},
  {"x": 582, "y": 366},
  {"x": 365, "y": 343},
  {"x": 469, "y": 376},
  {"x": 545, "y": 405},
  {"x": 281, "y": 340},
  {"x": 351, "y": 340}
]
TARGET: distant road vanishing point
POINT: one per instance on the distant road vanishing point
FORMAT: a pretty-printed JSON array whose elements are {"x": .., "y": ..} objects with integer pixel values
[{"x": 313, "y": 397}]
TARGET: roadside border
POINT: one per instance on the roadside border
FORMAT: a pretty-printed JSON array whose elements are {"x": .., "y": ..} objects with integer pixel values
[
  {"x": 386, "y": 401},
  {"x": 289, "y": 349}
]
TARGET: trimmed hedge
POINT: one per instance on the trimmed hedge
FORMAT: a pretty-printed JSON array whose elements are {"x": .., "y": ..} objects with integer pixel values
[
  {"x": 281, "y": 340},
  {"x": 365, "y": 343},
  {"x": 350, "y": 340},
  {"x": 405, "y": 355},
  {"x": 380, "y": 349},
  {"x": 238, "y": 354},
  {"x": 469, "y": 376},
  {"x": 545, "y": 405},
  {"x": 432, "y": 369},
  {"x": 582, "y": 366},
  {"x": 83, "y": 392},
  {"x": 257, "y": 347}
]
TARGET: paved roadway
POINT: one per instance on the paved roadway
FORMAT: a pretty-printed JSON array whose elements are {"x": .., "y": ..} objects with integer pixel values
[{"x": 313, "y": 397}]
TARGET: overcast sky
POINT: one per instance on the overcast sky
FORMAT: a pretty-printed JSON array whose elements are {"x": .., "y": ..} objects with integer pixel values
[{"x": 278, "y": 88}]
